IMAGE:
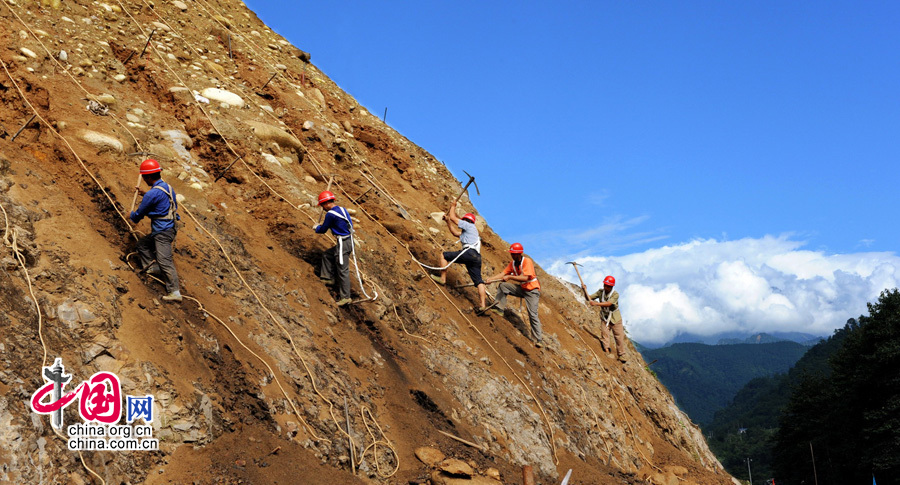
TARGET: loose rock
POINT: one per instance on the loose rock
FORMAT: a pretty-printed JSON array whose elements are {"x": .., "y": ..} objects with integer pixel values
[
  {"x": 270, "y": 133},
  {"x": 223, "y": 96},
  {"x": 107, "y": 99},
  {"x": 101, "y": 141},
  {"x": 455, "y": 466},
  {"x": 318, "y": 97},
  {"x": 429, "y": 456}
]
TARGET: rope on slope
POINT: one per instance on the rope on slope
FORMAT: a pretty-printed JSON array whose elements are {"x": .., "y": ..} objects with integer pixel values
[
  {"x": 622, "y": 408},
  {"x": 228, "y": 144},
  {"x": 234, "y": 151},
  {"x": 90, "y": 95},
  {"x": 132, "y": 231},
  {"x": 14, "y": 247},
  {"x": 382, "y": 189},
  {"x": 231, "y": 148}
]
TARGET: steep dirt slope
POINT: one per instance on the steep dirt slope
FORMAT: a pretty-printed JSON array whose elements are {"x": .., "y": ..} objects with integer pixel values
[{"x": 257, "y": 373}]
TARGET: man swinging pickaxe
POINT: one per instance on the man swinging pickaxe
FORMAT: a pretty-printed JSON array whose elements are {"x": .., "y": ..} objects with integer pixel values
[
  {"x": 609, "y": 301},
  {"x": 470, "y": 255}
]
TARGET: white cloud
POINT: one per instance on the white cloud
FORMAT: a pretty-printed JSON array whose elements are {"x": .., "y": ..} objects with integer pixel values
[{"x": 767, "y": 284}]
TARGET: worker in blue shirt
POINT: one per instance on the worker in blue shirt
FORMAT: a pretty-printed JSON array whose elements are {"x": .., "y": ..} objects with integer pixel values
[
  {"x": 155, "y": 250},
  {"x": 336, "y": 260}
]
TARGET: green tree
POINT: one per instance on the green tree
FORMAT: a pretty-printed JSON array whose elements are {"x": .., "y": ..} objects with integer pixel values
[{"x": 851, "y": 412}]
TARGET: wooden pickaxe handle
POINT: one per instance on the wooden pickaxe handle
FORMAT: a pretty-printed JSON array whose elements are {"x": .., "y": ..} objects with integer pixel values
[
  {"x": 137, "y": 188},
  {"x": 575, "y": 265}
]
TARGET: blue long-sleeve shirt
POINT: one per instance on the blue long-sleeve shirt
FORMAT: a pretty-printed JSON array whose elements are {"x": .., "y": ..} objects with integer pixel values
[
  {"x": 154, "y": 205},
  {"x": 338, "y": 226}
]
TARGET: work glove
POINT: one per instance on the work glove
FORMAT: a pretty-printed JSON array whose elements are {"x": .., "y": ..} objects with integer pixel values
[{"x": 315, "y": 227}]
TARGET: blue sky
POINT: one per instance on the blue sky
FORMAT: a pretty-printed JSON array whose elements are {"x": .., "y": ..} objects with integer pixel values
[{"x": 609, "y": 130}]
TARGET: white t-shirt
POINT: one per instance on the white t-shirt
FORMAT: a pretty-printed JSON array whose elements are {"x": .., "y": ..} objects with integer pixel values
[{"x": 469, "y": 236}]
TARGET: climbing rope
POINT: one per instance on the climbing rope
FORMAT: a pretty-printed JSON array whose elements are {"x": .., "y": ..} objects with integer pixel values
[
  {"x": 24, "y": 98},
  {"x": 92, "y": 97},
  {"x": 621, "y": 407},
  {"x": 13, "y": 245},
  {"x": 387, "y": 193},
  {"x": 442, "y": 268},
  {"x": 228, "y": 144},
  {"x": 355, "y": 262}
]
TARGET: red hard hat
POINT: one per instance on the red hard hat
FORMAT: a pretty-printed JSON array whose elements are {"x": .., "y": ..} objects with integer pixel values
[
  {"x": 150, "y": 166},
  {"x": 609, "y": 281},
  {"x": 469, "y": 217},
  {"x": 516, "y": 248},
  {"x": 325, "y": 196}
]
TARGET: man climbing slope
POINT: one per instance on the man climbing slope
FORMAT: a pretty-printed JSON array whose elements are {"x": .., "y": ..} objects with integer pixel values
[
  {"x": 610, "y": 318},
  {"x": 525, "y": 285},
  {"x": 470, "y": 255},
  {"x": 335, "y": 265},
  {"x": 155, "y": 250}
]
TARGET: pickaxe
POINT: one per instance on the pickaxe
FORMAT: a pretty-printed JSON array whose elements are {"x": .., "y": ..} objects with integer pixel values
[
  {"x": 362, "y": 197},
  {"x": 137, "y": 186},
  {"x": 226, "y": 169},
  {"x": 576, "y": 265},
  {"x": 470, "y": 182}
]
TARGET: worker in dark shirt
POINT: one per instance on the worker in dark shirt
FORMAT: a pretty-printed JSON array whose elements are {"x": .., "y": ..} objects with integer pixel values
[
  {"x": 155, "y": 250},
  {"x": 336, "y": 260}
]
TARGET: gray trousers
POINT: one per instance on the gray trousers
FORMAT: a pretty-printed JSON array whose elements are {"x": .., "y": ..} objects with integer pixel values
[
  {"x": 601, "y": 332},
  {"x": 336, "y": 266},
  {"x": 618, "y": 331},
  {"x": 531, "y": 303},
  {"x": 158, "y": 246}
]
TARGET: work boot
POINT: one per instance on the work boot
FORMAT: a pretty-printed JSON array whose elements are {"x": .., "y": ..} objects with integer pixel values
[
  {"x": 538, "y": 344},
  {"x": 622, "y": 360},
  {"x": 326, "y": 281},
  {"x": 479, "y": 310},
  {"x": 437, "y": 279},
  {"x": 344, "y": 302},
  {"x": 497, "y": 311},
  {"x": 174, "y": 296}
]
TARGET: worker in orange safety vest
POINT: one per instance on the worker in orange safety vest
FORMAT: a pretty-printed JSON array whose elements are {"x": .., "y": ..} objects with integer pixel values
[{"x": 520, "y": 279}]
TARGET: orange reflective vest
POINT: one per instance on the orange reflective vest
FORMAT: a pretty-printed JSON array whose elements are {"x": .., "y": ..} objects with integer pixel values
[{"x": 525, "y": 268}]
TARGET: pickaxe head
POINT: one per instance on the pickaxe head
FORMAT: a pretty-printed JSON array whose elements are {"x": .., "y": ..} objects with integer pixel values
[
  {"x": 472, "y": 181},
  {"x": 143, "y": 154},
  {"x": 573, "y": 263}
]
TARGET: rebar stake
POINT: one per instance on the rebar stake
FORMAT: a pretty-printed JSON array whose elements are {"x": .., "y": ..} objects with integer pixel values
[{"x": 22, "y": 128}]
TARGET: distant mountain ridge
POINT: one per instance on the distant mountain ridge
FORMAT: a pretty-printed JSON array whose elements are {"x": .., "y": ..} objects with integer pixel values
[
  {"x": 767, "y": 338},
  {"x": 732, "y": 338}
]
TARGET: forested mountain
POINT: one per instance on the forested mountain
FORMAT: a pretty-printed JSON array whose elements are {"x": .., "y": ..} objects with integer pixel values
[
  {"x": 705, "y": 378},
  {"x": 745, "y": 427},
  {"x": 848, "y": 417},
  {"x": 839, "y": 403}
]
